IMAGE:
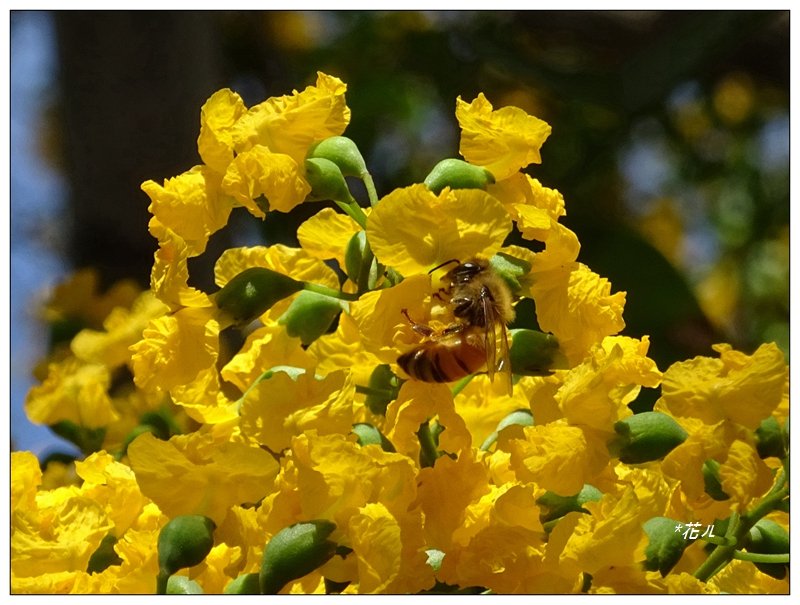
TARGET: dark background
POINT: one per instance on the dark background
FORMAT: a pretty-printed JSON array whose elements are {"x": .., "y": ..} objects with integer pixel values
[{"x": 670, "y": 136}]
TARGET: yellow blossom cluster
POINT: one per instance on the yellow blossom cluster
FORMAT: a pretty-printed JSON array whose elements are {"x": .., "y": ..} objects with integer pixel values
[{"x": 278, "y": 401}]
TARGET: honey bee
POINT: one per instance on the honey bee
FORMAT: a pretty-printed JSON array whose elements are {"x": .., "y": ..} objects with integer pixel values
[{"x": 481, "y": 303}]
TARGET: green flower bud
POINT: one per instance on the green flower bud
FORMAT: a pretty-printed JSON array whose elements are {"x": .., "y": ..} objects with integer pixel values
[
  {"x": 105, "y": 556},
  {"x": 252, "y": 292},
  {"x": 711, "y": 480},
  {"x": 343, "y": 152},
  {"x": 514, "y": 271},
  {"x": 457, "y": 174},
  {"x": 645, "y": 436},
  {"x": 768, "y": 537},
  {"x": 771, "y": 439},
  {"x": 327, "y": 181},
  {"x": 533, "y": 353},
  {"x": 552, "y": 506},
  {"x": 369, "y": 435},
  {"x": 666, "y": 545},
  {"x": 383, "y": 388},
  {"x": 310, "y": 315},
  {"x": 183, "y": 585},
  {"x": 294, "y": 552},
  {"x": 244, "y": 584},
  {"x": 354, "y": 255},
  {"x": 184, "y": 542}
]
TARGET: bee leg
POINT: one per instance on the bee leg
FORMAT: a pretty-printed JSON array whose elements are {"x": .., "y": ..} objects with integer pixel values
[{"x": 423, "y": 329}]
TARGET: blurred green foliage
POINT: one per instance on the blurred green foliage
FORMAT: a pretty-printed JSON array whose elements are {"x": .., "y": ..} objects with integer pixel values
[{"x": 670, "y": 137}]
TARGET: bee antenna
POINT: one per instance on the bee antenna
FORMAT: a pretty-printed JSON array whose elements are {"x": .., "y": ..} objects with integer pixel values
[{"x": 444, "y": 264}]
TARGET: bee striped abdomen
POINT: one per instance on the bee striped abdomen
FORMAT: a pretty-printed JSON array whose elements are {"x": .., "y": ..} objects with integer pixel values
[{"x": 444, "y": 360}]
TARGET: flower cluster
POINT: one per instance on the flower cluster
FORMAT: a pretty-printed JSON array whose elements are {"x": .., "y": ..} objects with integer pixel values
[{"x": 262, "y": 438}]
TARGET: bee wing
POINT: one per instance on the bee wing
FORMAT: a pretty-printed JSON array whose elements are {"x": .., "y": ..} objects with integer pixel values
[
  {"x": 494, "y": 362},
  {"x": 505, "y": 360},
  {"x": 490, "y": 333}
]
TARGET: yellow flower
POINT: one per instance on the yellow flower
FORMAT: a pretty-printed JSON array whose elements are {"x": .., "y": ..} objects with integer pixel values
[
  {"x": 742, "y": 577},
  {"x": 74, "y": 391},
  {"x": 576, "y": 305},
  {"x": 279, "y": 407},
  {"x": 743, "y": 475},
  {"x": 559, "y": 457},
  {"x": 413, "y": 230},
  {"x": 611, "y": 535},
  {"x": 482, "y": 404},
  {"x": 326, "y": 235},
  {"x": 265, "y": 348},
  {"x": 78, "y": 298},
  {"x": 121, "y": 329},
  {"x": 597, "y": 392},
  {"x": 534, "y": 207},
  {"x": 743, "y": 388},
  {"x": 291, "y": 123},
  {"x": 175, "y": 348},
  {"x": 169, "y": 276},
  {"x": 416, "y": 403},
  {"x": 191, "y": 205},
  {"x": 218, "y": 116},
  {"x": 200, "y": 474},
  {"x": 503, "y": 140}
]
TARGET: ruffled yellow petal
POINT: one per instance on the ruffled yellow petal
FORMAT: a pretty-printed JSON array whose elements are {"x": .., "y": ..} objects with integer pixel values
[
  {"x": 169, "y": 277},
  {"x": 342, "y": 350},
  {"x": 279, "y": 407},
  {"x": 744, "y": 476},
  {"x": 217, "y": 119},
  {"x": 78, "y": 297},
  {"x": 413, "y": 230},
  {"x": 558, "y": 457},
  {"x": 184, "y": 478},
  {"x": 597, "y": 392},
  {"x": 265, "y": 348},
  {"x": 532, "y": 205},
  {"x": 294, "y": 262},
  {"x": 742, "y": 577},
  {"x": 259, "y": 171},
  {"x": 502, "y": 141},
  {"x": 577, "y": 306},
  {"x": 742, "y": 388},
  {"x": 174, "y": 349},
  {"x": 122, "y": 328},
  {"x": 291, "y": 123},
  {"x": 378, "y": 547},
  {"x": 326, "y": 235},
  {"x": 191, "y": 205},
  {"x": 75, "y": 391}
]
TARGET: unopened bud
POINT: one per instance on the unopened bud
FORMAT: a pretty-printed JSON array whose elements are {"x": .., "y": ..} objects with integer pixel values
[
  {"x": 457, "y": 174},
  {"x": 369, "y": 435},
  {"x": 327, "y": 181},
  {"x": 244, "y": 584},
  {"x": 248, "y": 295},
  {"x": 533, "y": 353},
  {"x": 294, "y": 552},
  {"x": 184, "y": 542},
  {"x": 310, "y": 315},
  {"x": 645, "y": 436},
  {"x": 343, "y": 152},
  {"x": 711, "y": 481},
  {"x": 771, "y": 439},
  {"x": 665, "y": 545},
  {"x": 768, "y": 537},
  {"x": 384, "y": 387},
  {"x": 183, "y": 585}
]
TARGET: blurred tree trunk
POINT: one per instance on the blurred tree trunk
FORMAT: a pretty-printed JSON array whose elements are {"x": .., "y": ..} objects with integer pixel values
[{"x": 132, "y": 84}]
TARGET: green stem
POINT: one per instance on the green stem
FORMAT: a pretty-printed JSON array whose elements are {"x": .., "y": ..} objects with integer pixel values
[
  {"x": 758, "y": 557},
  {"x": 427, "y": 453},
  {"x": 161, "y": 582},
  {"x": 354, "y": 211},
  {"x": 333, "y": 293},
  {"x": 370, "y": 185},
  {"x": 738, "y": 527},
  {"x": 461, "y": 384}
]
